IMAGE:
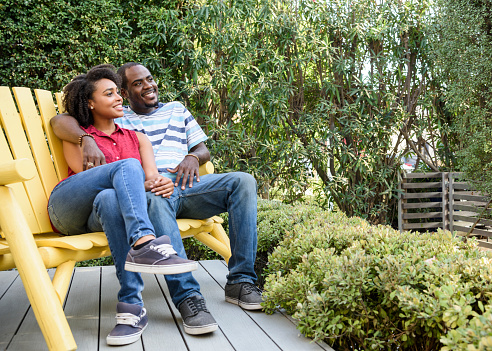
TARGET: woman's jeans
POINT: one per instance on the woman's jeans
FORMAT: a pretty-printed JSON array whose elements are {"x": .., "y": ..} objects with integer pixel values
[{"x": 109, "y": 198}]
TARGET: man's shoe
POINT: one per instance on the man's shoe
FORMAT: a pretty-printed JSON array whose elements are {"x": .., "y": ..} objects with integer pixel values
[
  {"x": 158, "y": 257},
  {"x": 131, "y": 320},
  {"x": 245, "y": 295},
  {"x": 196, "y": 318}
]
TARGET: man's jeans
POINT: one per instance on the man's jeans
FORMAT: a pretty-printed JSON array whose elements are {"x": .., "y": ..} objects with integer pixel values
[
  {"x": 234, "y": 193},
  {"x": 112, "y": 198}
]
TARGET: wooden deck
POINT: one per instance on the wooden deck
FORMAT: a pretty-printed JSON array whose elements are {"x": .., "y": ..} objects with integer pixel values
[{"x": 91, "y": 303}]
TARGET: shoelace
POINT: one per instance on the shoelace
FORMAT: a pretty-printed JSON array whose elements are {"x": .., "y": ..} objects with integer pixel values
[
  {"x": 196, "y": 305},
  {"x": 250, "y": 288},
  {"x": 165, "y": 250},
  {"x": 130, "y": 319}
]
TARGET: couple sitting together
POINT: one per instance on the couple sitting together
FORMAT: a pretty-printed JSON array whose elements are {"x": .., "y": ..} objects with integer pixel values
[{"x": 133, "y": 171}]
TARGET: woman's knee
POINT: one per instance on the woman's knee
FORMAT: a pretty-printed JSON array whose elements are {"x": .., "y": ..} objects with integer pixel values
[
  {"x": 106, "y": 199},
  {"x": 132, "y": 165}
]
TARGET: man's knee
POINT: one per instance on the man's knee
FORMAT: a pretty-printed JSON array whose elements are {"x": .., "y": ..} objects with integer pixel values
[
  {"x": 245, "y": 180},
  {"x": 158, "y": 203}
]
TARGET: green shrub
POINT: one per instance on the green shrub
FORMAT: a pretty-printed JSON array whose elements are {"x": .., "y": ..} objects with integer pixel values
[
  {"x": 103, "y": 261},
  {"x": 476, "y": 336},
  {"x": 275, "y": 220},
  {"x": 367, "y": 287}
]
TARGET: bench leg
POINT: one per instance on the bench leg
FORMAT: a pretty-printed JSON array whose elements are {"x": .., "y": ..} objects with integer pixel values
[
  {"x": 40, "y": 291},
  {"x": 219, "y": 247},
  {"x": 61, "y": 280}
]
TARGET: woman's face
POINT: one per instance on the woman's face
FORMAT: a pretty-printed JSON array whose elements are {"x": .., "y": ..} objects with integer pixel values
[{"x": 106, "y": 103}]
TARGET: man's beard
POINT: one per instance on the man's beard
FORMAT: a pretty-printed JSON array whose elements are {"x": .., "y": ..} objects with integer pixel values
[{"x": 155, "y": 104}]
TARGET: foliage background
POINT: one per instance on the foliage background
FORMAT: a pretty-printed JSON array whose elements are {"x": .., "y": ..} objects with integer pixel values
[
  {"x": 464, "y": 53},
  {"x": 321, "y": 95}
]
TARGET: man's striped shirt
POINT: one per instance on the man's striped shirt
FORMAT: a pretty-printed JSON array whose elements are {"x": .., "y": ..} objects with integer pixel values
[{"x": 172, "y": 130}]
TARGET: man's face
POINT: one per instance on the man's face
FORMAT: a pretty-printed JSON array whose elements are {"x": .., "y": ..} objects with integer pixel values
[{"x": 141, "y": 91}]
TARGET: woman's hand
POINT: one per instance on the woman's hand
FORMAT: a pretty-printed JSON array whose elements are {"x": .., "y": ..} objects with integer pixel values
[{"x": 160, "y": 186}]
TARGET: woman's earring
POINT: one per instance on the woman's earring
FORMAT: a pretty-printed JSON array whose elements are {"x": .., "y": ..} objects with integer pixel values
[{"x": 92, "y": 107}]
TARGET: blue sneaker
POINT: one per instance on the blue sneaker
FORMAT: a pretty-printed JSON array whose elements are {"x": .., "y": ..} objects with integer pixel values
[
  {"x": 158, "y": 257},
  {"x": 131, "y": 321}
]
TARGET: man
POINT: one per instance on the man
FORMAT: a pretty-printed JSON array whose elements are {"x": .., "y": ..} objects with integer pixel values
[{"x": 179, "y": 149}]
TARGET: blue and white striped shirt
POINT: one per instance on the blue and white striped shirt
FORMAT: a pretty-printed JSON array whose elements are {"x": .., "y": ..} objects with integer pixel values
[{"x": 172, "y": 130}]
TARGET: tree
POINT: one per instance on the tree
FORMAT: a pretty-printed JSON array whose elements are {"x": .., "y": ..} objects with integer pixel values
[{"x": 464, "y": 50}]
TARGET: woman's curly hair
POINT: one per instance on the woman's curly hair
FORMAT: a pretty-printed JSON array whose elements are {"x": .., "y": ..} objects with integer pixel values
[{"x": 77, "y": 93}]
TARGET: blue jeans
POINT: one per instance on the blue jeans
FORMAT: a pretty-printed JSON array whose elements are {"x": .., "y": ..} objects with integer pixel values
[
  {"x": 234, "y": 193},
  {"x": 109, "y": 198},
  {"x": 214, "y": 194}
]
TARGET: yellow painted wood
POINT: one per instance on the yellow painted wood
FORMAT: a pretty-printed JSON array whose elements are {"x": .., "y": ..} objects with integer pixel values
[
  {"x": 40, "y": 291},
  {"x": 6, "y": 261},
  {"x": 53, "y": 256},
  {"x": 18, "y": 188},
  {"x": 219, "y": 233},
  {"x": 59, "y": 102},
  {"x": 186, "y": 224},
  {"x": 62, "y": 278},
  {"x": 16, "y": 171},
  {"x": 206, "y": 168},
  {"x": 19, "y": 147},
  {"x": 214, "y": 244},
  {"x": 48, "y": 111},
  {"x": 37, "y": 140}
]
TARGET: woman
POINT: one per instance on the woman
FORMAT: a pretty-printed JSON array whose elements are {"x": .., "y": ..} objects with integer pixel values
[{"x": 112, "y": 198}]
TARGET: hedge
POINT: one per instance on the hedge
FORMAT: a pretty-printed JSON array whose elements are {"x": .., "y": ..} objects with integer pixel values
[{"x": 358, "y": 286}]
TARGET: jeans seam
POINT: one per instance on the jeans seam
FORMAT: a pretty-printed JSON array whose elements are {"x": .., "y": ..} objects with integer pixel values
[
  {"x": 139, "y": 234},
  {"x": 58, "y": 225},
  {"x": 207, "y": 192}
]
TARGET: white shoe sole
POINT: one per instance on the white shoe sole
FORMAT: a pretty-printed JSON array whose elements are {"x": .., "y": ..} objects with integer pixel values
[
  {"x": 124, "y": 340},
  {"x": 244, "y": 305},
  {"x": 204, "y": 329},
  {"x": 155, "y": 269}
]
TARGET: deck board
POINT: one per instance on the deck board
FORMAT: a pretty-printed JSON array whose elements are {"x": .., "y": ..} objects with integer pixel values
[
  {"x": 162, "y": 328},
  {"x": 91, "y": 306},
  {"x": 83, "y": 313},
  {"x": 28, "y": 336}
]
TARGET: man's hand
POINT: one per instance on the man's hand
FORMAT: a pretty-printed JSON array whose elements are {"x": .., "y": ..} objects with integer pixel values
[
  {"x": 160, "y": 186},
  {"x": 92, "y": 156},
  {"x": 188, "y": 169}
]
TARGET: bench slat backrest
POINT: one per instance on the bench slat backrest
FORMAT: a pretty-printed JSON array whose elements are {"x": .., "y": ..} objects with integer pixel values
[
  {"x": 48, "y": 110},
  {"x": 36, "y": 136},
  {"x": 6, "y": 154},
  {"x": 25, "y": 138}
]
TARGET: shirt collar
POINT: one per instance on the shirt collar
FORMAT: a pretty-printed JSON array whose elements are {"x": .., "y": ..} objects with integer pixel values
[{"x": 92, "y": 130}]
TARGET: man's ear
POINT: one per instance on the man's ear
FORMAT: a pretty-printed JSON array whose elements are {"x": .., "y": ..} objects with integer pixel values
[{"x": 124, "y": 93}]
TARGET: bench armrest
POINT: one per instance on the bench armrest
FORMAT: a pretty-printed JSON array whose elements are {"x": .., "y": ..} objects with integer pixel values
[
  {"x": 206, "y": 168},
  {"x": 16, "y": 171}
]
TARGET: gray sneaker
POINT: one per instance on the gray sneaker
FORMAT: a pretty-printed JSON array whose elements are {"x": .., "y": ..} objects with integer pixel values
[
  {"x": 131, "y": 320},
  {"x": 158, "y": 257},
  {"x": 245, "y": 295},
  {"x": 196, "y": 318}
]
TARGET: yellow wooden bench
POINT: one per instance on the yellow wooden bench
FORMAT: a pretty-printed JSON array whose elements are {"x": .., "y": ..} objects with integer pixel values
[{"x": 31, "y": 164}]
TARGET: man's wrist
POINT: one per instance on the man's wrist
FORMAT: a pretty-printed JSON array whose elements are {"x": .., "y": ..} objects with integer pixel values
[
  {"x": 195, "y": 156},
  {"x": 81, "y": 138}
]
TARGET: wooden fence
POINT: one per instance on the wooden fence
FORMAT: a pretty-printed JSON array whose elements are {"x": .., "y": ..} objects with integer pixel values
[{"x": 441, "y": 200}]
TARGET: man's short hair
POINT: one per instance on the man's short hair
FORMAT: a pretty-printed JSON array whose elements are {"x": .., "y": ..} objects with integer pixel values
[{"x": 122, "y": 72}]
